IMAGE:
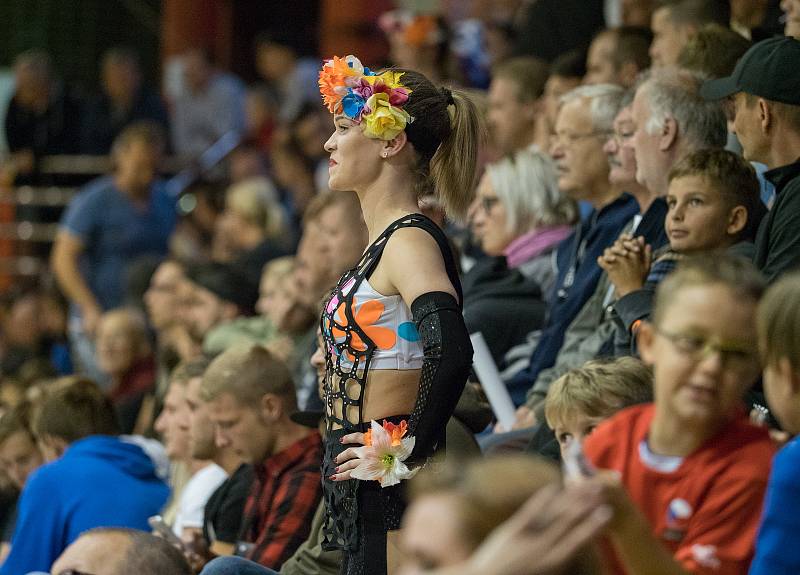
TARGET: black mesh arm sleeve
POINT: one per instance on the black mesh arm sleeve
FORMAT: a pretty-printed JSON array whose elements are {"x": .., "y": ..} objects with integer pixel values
[{"x": 448, "y": 359}]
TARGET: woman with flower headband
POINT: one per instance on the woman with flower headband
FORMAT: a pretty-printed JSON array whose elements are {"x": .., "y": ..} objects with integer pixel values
[{"x": 397, "y": 348}]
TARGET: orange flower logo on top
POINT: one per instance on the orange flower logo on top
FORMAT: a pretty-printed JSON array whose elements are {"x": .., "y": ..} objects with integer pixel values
[{"x": 365, "y": 316}]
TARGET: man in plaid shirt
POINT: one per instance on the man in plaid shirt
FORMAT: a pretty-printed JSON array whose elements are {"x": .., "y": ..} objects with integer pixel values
[{"x": 250, "y": 396}]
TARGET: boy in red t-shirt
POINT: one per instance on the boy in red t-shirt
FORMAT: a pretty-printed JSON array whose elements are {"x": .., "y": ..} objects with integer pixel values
[{"x": 692, "y": 469}]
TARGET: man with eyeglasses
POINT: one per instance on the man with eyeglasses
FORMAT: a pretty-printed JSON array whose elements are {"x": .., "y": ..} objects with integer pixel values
[{"x": 583, "y": 124}]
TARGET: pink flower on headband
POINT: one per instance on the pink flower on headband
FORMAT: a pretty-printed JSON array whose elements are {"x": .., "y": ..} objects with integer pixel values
[{"x": 397, "y": 96}]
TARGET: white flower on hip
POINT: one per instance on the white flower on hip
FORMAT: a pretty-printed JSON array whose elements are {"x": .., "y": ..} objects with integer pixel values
[{"x": 383, "y": 454}]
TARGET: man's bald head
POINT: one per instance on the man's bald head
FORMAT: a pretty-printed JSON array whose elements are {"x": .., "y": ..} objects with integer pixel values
[{"x": 118, "y": 551}]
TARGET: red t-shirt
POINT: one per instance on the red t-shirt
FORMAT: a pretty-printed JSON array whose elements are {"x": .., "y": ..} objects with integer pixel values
[{"x": 707, "y": 510}]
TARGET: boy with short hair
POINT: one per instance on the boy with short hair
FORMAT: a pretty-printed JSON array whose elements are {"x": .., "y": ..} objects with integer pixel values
[
  {"x": 713, "y": 204},
  {"x": 777, "y": 552},
  {"x": 583, "y": 397},
  {"x": 692, "y": 468}
]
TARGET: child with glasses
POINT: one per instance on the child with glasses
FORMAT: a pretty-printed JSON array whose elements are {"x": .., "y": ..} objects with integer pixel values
[
  {"x": 777, "y": 552},
  {"x": 691, "y": 469}
]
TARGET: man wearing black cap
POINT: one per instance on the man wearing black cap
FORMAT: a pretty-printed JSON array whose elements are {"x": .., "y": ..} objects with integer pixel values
[{"x": 765, "y": 86}]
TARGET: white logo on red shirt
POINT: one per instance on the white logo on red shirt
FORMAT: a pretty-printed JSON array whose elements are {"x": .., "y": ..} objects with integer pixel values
[
  {"x": 678, "y": 513},
  {"x": 706, "y": 556}
]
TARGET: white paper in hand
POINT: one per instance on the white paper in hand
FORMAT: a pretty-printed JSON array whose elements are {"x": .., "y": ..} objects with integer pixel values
[
  {"x": 575, "y": 464},
  {"x": 493, "y": 386}
]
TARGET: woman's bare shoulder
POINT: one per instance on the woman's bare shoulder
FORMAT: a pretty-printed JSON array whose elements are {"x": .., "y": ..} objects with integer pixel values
[{"x": 414, "y": 264}]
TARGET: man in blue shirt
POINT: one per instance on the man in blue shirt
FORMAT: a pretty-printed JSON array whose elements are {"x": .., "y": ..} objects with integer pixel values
[
  {"x": 94, "y": 479},
  {"x": 115, "y": 220}
]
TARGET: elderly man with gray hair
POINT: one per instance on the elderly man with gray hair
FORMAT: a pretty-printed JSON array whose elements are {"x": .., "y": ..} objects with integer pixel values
[
  {"x": 672, "y": 120},
  {"x": 584, "y": 122}
]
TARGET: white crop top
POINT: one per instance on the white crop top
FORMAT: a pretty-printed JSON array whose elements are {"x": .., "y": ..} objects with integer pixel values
[{"x": 388, "y": 322}]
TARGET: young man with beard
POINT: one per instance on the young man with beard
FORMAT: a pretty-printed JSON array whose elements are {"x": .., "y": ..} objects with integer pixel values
[{"x": 250, "y": 398}]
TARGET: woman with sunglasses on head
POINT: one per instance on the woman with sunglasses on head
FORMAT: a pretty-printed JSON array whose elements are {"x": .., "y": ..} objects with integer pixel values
[{"x": 398, "y": 351}]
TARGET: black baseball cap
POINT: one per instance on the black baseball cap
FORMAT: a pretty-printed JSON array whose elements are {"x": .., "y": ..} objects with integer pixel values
[{"x": 769, "y": 69}]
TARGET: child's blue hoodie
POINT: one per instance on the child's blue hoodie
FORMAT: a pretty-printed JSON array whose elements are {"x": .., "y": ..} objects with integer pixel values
[{"x": 99, "y": 481}]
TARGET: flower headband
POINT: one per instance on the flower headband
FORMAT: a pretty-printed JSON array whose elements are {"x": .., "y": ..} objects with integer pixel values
[{"x": 351, "y": 89}]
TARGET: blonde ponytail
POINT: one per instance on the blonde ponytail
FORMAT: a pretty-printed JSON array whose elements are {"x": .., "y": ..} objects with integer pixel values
[
  {"x": 446, "y": 133},
  {"x": 454, "y": 165}
]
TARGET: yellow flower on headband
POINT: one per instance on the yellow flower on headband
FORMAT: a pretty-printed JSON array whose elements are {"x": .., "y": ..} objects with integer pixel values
[
  {"x": 384, "y": 121},
  {"x": 390, "y": 78}
]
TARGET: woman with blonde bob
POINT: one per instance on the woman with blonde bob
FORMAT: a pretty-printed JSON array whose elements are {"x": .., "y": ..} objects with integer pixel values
[{"x": 519, "y": 217}]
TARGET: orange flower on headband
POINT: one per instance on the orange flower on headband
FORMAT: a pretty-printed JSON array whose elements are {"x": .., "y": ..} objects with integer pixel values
[{"x": 334, "y": 80}]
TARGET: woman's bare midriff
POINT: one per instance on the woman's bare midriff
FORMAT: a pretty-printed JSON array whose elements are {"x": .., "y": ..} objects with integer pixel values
[{"x": 388, "y": 392}]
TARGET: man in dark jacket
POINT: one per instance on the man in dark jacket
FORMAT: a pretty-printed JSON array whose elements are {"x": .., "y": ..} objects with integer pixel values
[
  {"x": 584, "y": 121},
  {"x": 43, "y": 117},
  {"x": 766, "y": 90}
]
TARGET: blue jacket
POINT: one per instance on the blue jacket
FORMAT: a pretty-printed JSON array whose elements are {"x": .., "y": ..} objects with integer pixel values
[
  {"x": 578, "y": 274},
  {"x": 100, "y": 481},
  {"x": 777, "y": 549}
]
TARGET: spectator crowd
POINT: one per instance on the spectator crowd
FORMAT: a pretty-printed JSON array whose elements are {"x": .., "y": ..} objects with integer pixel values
[{"x": 631, "y": 257}]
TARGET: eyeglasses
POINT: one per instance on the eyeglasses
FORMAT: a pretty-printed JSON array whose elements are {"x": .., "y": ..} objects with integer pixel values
[
  {"x": 565, "y": 138},
  {"x": 487, "y": 203},
  {"x": 699, "y": 348}
]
